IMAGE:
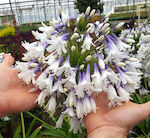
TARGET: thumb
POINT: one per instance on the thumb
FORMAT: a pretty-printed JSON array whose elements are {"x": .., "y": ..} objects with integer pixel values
[
  {"x": 146, "y": 109},
  {"x": 8, "y": 60}
]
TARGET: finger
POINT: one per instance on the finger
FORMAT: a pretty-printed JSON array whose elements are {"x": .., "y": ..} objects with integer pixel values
[
  {"x": 28, "y": 101},
  {"x": 8, "y": 60},
  {"x": 24, "y": 101},
  {"x": 136, "y": 113},
  {"x": 145, "y": 109},
  {"x": 16, "y": 70}
]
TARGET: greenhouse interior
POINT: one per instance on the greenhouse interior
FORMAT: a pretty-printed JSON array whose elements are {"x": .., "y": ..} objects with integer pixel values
[{"x": 75, "y": 68}]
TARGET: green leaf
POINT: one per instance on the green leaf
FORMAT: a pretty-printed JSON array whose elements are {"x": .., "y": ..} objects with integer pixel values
[
  {"x": 51, "y": 128},
  {"x": 36, "y": 131},
  {"x": 30, "y": 127},
  {"x": 137, "y": 98},
  {"x": 147, "y": 121},
  {"x": 141, "y": 136},
  {"x": 55, "y": 131},
  {"x": 17, "y": 133},
  {"x": 49, "y": 133},
  {"x": 142, "y": 126},
  {"x": 1, "y": 135}
]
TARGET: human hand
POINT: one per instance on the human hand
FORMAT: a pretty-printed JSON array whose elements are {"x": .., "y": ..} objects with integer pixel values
[
  {"x": 114, "y": 122},
  {"x": 14, "y": 95}
]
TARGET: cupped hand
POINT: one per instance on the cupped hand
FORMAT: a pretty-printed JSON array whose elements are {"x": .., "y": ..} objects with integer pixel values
[
  {"x": 14, "y": 95},
  {"x": 120, "y": 119}
]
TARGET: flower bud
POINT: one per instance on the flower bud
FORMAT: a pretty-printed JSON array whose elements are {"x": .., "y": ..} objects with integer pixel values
[
  {"x": 78, "y": 20},
  {"x": 106, "y": 20},
  {"x": 67, "y": 20},
  {"x": 25, "y": 59},
  {"x": 89, "y": 30},
  {"x": 118, "y": 26},
  {"x": 107, "y": 30},
  {"x": 33, "y": 65},
  {"x": 74, "y": 36},
  {"x": 93, "y": 76},
  {"x": 81, "y": 67},
  {"x": 65, "y": 43},
  {"x": 129, "y": 73},
  {"x": 133, "y": 59},
  {"x": 105, "y": 27},
  {"x": 82, "y": 51},
  {"x": 88, "y": 25},
  {"x": 92, "y": 12},
  {"x": 100, "y": 62},
  {"x": 101, "y": 38},
  {"x": 65, "y": 89},
  {"x": 88, "y": 58},
  {"x": 59, "y": 10},
  {"x": 48, "y": 34},
  {"x": 75, "y": 29},
  {"x": 121, "y": 64},
  {"x": 128, "y": 40},
  {"x": 34, "y": 33},
  {"x": 40, "y": 60},
  {"x": 52, "y": 24},
  {"x": 87, "y": 10},
  {"x": 73, "y": 48},
  {"x": 108, "y": 14},
  {"x": 81, "y": 15}
]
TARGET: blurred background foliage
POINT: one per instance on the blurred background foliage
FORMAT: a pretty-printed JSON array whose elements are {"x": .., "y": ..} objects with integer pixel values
[{"x": 81, "y": 5}]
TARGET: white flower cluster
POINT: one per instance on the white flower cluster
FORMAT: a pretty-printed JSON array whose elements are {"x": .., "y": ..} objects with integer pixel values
[
  {"x": 141, "y": 50},
  {"x": 144, "y": 53},
  {"x": 135, "y": 32},
  {"x": 76, "y": 59}
]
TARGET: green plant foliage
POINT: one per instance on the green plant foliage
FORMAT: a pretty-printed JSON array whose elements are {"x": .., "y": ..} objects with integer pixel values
[
  {"x": 7, "y": 31},
  {"x": 27, "y": 28},
  {"x": 81, "y": 5},
  {"x": 1, "y": 135},
  {"x": 142, "y": 130},
  {"x": 17, "y": 133}
]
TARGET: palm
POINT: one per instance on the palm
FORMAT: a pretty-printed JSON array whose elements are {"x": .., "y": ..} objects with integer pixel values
[
  {"x": 124, "y": 117},
  {"x": 14, "y": 93}
]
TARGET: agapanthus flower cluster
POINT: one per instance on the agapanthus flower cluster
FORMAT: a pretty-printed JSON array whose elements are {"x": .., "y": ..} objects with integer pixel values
[
  {"x": 136, "y": 31},
  {"x": 144, "y": 55},
  {"x": 78, "y": 58},
  {"x": 141, "y": 50}
]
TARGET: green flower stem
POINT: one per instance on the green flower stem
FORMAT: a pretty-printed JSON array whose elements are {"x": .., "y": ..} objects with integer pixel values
[
  {"x": 83, "y": 57},
  {"x": 53, "y": 118},
  {"x": 39, "y": 120},
  {"x": 53, "y": 129},
  {"x": 145, "y": 83},
  {"x": 23, "y": 126}
]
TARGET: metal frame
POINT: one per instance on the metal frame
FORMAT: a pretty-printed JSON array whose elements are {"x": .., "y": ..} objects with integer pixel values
[{"x": 36, "y": 10}]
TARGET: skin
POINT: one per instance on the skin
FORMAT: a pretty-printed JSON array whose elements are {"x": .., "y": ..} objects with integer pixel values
[
  {"x": 114, "y": 122},
  {"x": 105, "y": 123},
  {"x": 14, "y": 93}
]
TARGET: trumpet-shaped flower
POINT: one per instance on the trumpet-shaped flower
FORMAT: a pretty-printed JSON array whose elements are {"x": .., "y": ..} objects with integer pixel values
[
  {"x": 51, "y": 105},
  {"x": 87, "y": 42},
  {"x": 75, "y": 125},
  {"x": 83, "y": 86},
  {"x": 57, "y": 44},
  {"x": 66, "y": 68},
  {"x": 97, "y": 79},
  {"x": 71, "y": 98}
]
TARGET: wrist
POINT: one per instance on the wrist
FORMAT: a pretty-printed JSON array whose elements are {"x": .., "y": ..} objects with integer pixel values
[{"x": 108, "y": 132}]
